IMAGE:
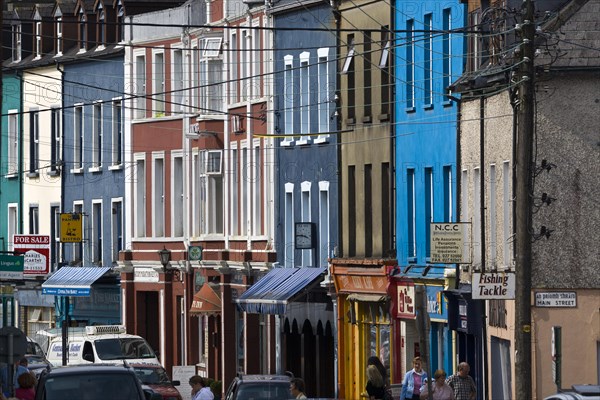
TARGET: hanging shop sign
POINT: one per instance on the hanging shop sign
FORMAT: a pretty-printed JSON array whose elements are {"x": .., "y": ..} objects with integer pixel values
[
  {"x": 405, "y": 301},
  {"x": 493, "y": 285},
  {"x": 449, "y": 243},
  {"x": 36, "y": 252}
]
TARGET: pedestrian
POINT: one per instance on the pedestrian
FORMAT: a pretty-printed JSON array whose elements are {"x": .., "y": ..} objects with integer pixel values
[
  {"x": 413, "y": 381},
  {"x": 26, "y": 390},
  {"x": 19, "y": 368},
  {"x": 462, "y": 383},
  {"x": 200, "y": 389},
  {"x": 297, "y": 388},
  {"x": 439, "y": 388},
  {"x": 377, "y": 383}
]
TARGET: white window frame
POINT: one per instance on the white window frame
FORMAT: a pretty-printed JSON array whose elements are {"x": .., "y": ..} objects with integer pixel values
[
  {"x": 140, "y": 82},
  {"x": 17, "y": 39},
  {"x": 412, "y": 223},
  {"x": 12, "y": 225},
  {"x": 178, "y": 85},
  {"x": 115, "y": 241},
  {"x": 288, "y": 226},
  {"x": 55, "y": 138},
  {"x": 234, "y": 182},
  {"x": 59, "y": 36},
  {"x": 158, "y": 194},
  {"x": 214, "y": 162},
  {"x": 13, "y": 142},
  {"x": 255, "y": 67},
  {"x": 233, "y": 66},
  {"x": 38, "y": 40},
  {"x": 325, "y": 94},
  {"x": 177, "y": 194},
  {"x": 159, "y": 97},
  {"x": 428, "y": 56},
  {"x": 306, "y": 216},
  {"x": 245, "y": 186},
  {"x": 212, "y": 47},
  {"x": 198, "y": 222},
  {"x": 97, "y": 128},
  {"x": 349, "y": 57},
  {"x": 493, "y": 219},
  {"x": 257, "y": 188},
  {"x": 288, "y": 100},
  {"x": 476, "y": 234},
  {"x": 305, "y": 100},
  {"x": 117, "y": 133},
  {"x": 82, "y": 28},
  {"x": 324, "y": 215},
  {"x": 78, "y": 208},
  {"x": 139, "y": 194},
  {"x": 244, "y": 64},
  {"x": 97, "y": 237},
  {"x": 78, "y": 137},
  {"x": 211, "y": 78},
  {"x": 507, "y": 205},
  {"x": 34, "y": 138}
]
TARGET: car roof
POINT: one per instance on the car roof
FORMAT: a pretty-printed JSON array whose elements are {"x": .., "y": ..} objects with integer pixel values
[
  {"x": 264, "y": 378},
  {"x": 87, "y": 368}
]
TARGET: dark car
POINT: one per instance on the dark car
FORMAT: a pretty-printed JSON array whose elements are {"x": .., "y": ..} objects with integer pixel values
[
  {"x": 259, "y": 387},
  {"x": 92, "y": 382},
  {"x": 578, "y": 392},
  {"x": 157, "y": 378}
]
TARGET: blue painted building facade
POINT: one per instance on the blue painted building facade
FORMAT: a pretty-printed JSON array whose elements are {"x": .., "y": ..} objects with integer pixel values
[
  {"x": 94, "y": 172},
  {"x": 306, "y": 183},
  {"x": 428, "y": 56}
]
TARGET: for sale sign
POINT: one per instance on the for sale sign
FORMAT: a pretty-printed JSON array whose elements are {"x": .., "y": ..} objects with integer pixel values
[{"x": 36, "y": 252}]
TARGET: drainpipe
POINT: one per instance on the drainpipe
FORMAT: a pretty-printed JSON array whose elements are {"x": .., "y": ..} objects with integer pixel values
[{"x": 482, "y": 238}]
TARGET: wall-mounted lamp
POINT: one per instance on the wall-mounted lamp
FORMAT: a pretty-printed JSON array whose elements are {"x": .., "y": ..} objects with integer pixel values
[
  {"x": 165, "y": 258},
  {"x": 426, "y": 270}
]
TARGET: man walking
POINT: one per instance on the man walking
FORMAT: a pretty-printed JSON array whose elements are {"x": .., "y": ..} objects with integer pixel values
[{"x": 462, "y": 383}]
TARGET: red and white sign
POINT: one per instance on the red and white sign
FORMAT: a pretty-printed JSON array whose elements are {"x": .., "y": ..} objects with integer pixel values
[{"x": 36, "y": 250}]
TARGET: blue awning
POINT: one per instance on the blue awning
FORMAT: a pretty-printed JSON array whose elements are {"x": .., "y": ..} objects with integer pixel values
[
  {"x": 271, "y": 294},
  {"x": 73, "y": 281}
]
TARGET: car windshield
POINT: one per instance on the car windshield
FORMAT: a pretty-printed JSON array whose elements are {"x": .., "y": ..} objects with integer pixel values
[
  {"x": 264, "y": 391},
  {"x": 152, "y": 376},
  {"x": 91, "y": 387},
  {"x": 123, "y": 348}
]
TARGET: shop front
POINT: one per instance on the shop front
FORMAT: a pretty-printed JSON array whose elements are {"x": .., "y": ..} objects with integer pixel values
[
  {"x": 465, "y": 317},
  {"x": 364, "y": 324}
]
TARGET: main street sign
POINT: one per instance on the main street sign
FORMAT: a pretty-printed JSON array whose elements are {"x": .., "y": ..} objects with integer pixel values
[{"x": 36, "y": 250}]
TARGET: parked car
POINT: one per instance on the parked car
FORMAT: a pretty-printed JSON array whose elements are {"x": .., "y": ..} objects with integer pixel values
[
  {"x": 37, "y": 364},
  {"x": 93, "y": 382},
  {"x": 259, "y": 387},
  {"x": 577, "y": 392},
  {"x": 157, "y": 378}
]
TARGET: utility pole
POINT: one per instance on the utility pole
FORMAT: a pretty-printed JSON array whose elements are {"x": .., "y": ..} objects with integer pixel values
[{"x": 523, "y": 193}]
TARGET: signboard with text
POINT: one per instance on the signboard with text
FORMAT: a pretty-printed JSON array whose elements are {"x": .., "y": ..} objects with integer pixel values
[
  {"x": 449, "y": 243},
  {"x": 493, "y": 285},
  {"x": 556, "y": 299},
  {"x": 11, "y": 267},
  {"x": 36, "y": 252},
  {"x": 71, "y": 228}
]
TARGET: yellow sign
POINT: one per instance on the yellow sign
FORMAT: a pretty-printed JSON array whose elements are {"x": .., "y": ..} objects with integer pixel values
[{"x": 70, "y": 228}]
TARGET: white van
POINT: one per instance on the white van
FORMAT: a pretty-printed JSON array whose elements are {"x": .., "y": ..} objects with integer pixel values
[{"x": 102, "y": 344}]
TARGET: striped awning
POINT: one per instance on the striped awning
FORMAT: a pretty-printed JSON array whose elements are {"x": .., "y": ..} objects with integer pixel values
[
  {"x": 73, "y": 281},
  {"x": 277, "y": 288}
]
